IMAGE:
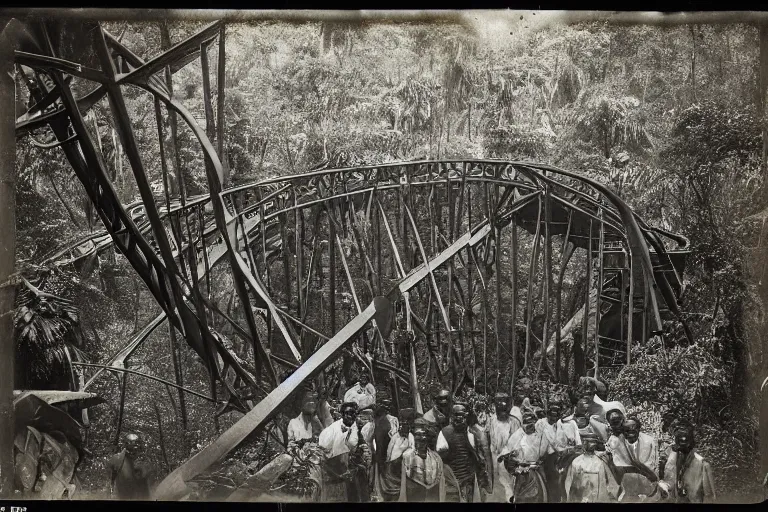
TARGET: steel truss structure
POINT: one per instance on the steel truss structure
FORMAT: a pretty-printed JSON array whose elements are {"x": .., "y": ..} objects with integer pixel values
[{"x": 457, "y": 254}]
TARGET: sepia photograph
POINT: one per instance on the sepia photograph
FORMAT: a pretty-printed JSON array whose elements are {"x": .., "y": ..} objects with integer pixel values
[{"x": 305, "y": 256}]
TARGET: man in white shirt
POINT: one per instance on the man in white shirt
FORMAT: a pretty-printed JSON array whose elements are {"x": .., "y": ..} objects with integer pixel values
[
  {"x": 388, "y": 469},
  {"x": 336, "y": 442},
  {"x": 562, "y": 438},
  {"x": 527, "y": 446},
  {"x": 636, "y": 456},
  {"x": 362, "y": 393},
  {"x": 501, "y": 426}
]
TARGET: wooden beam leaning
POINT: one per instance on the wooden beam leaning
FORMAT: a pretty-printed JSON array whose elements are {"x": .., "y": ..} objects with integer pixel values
[{"x": 173, "y": 487}]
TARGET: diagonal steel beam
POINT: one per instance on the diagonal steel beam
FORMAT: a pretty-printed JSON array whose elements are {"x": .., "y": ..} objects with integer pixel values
[
  {"x": 176, "y": 54},
  {"x": 174, "y": 487}
]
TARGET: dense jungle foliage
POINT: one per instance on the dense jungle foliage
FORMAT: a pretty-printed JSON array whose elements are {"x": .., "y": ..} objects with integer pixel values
[{"x": 669, "y": 117}]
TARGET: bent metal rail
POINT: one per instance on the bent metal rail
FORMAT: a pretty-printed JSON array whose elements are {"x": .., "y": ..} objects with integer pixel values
[{"x": 455, "y": 245}]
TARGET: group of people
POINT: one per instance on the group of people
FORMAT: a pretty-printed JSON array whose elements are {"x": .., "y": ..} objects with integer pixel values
[{"x": 587, "y": 451}]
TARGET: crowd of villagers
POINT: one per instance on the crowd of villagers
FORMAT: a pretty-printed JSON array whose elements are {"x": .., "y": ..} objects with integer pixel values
[{"x": 580, "y": 448}]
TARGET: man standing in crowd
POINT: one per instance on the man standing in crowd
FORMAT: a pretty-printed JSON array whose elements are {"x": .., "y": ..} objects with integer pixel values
[
  {"x": 362, "y": 393},
  {"x": 336, "y": 442},
  {"x": 422, "y": 478},
  {"x": 636, "y": 457},
  {"x": 389, "y": 456},
  {"x": 458, "y": 447},
  {"x": 501, "y": 426},
  {"x": 526, "y": 447},
  {"x": 687, "y": 476},
  {"x": 590, "y": 479},
  {"x": 438, "y": 416},
  {"x": 562, "y": 438}
]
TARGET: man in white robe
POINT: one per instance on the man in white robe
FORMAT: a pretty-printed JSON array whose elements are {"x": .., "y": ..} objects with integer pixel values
[
  {"x": 562, "y": 439},
  {"x": 636, "y": 457},
  {"x": 687, "y": 477},
  {"x": 336, "y": 442},
  {"x": 422, "y": 478},
  {"x": 362, "y": 393},
  {"x": 526, "y": 447},
  {"x": 500, "y": 427},
  {"x": 590, "y": 479}
]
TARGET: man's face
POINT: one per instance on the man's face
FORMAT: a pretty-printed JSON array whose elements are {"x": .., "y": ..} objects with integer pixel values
[
  {"x": 405, "y": 428},
  {"x": 309, "y": 407},
  {"x": 348, "y": 416},
  {"x": 132, "y": 445},
  {"x": 582, "y": 406},
  {"x": 460, "y": 419},
  {"x": 589, "y": 445},
  {"x": 502, "y": 407},
  {"x": 442, "y": 403},
  {"x": 553, "y": 414},
  {"x": 364, "y": 379},
  {"x": 529, "y": 425},
  {"x": 615, "y": 420},
  {"x": 421, "y": 439},
  {"x": 581, "y": 421},
  {"x": 684, "y": 441},
  {"x": 482, "y": 417},
  {"x": 631, "y": 431}
]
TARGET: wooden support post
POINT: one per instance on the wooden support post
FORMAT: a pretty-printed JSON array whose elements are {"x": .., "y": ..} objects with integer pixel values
[
  {"x": 585, "y": 319},
  {"x": 631, "y": 307},
  {"x": 210, "y": 129},
  {"x": 7, "y": 257},
  {"x": 298, "y": 223},
  {"x": 547, "y": 280},
  {"x": 599, "y": 293},
  {"x": 220, "y": 105},
  {"x": 332, "y": 265},
  {"x": 513, "y": 319},
  {"x": 529, "y": 292},
  {"x": 497, "y": 325},
  {"x": 559, "y": 297}
]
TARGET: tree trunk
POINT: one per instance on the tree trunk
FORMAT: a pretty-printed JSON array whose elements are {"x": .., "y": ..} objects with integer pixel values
[
  {"x": 7, "y": 258},
  {"x": 693, "y": 63},
  {"x": 763, "y": 30}
]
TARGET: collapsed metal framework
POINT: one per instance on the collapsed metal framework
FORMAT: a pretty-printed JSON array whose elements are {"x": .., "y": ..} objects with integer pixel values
[{"x": 442, "y": 240}]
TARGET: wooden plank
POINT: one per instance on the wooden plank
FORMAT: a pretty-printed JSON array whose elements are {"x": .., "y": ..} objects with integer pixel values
[{"x": 173, "y": 487}]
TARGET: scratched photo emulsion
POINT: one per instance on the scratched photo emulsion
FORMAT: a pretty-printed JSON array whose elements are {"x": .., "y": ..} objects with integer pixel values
[{"x": 402, "y": 256}]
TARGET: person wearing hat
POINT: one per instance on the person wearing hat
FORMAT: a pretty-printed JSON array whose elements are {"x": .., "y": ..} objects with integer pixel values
[
  {"x": 129, "y": 477},
  {"x": 527, "y": 446},
  {"x": 390, "y": 463},
  {"x": 438, "y": 416},
  {"x": 590, "y": 478},
  {"x": 336, "y": 443},
  {"x": 501, "y": 426},
  {"x": 458, "y": 448},
  {"x": 422, "y": 477},
  {"x": 687, "y": 477}
]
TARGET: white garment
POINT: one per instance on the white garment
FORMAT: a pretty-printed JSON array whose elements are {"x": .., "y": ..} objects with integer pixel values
[
  {"x": 530, "y": 447},
  {"x": 517, "y": 413},
  {"x": 338, "y": 439},
  {"x": 362, "y": 396},
  {"x": 398, "y": 445},
  {"x": 500, "y": 431},
  {"x": 298, "y": 430},
  {"x": 559, "y": 435}
]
